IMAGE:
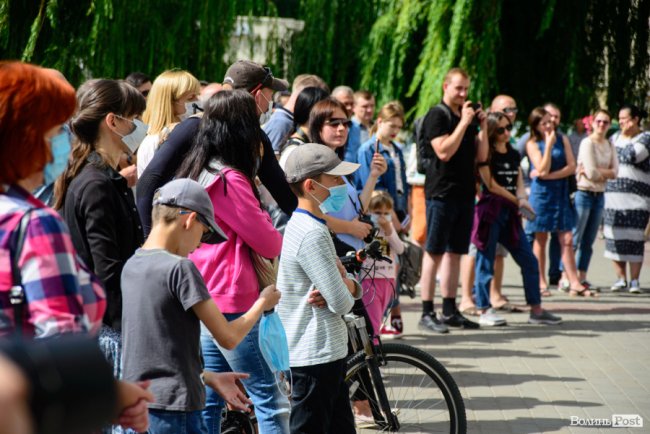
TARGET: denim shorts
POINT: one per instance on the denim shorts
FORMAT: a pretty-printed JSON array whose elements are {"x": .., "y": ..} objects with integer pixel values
[{"x": 449, "y": 225}]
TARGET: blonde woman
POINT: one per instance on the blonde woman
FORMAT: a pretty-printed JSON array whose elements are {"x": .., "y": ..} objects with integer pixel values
[{"x": 169, "y": 102}]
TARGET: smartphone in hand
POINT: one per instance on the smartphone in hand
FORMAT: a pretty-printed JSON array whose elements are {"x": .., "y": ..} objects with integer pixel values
[{"x": 528, "y": 214}]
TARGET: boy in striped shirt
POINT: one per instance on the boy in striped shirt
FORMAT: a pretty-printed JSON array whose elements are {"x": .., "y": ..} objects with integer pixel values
[{"x": 317, "y": 336}]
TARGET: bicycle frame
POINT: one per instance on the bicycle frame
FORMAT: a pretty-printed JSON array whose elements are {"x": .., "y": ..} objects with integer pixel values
[{"x": 360, "y": 341}]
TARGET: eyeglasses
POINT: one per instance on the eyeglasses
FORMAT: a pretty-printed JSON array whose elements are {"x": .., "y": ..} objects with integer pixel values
[
  {"x": 502, "y": 130},
  {"x": 335, "y": 122},
  {"x": 508, "y": 110}
]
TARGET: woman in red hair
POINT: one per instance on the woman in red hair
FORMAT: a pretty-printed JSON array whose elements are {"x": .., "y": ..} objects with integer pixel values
[{"x": 45, "y": 290}]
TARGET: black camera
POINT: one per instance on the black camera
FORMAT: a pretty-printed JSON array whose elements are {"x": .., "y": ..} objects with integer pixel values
[
  {"x": 365, "y": 218},
  {"x": 354, "y": 260}
]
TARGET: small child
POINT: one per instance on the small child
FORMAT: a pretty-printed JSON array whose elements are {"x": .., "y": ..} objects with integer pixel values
[
  {"x": 164, "y": 298},
  {"x": 379, "y": 284},
  {"x": 317, "y": 336}
]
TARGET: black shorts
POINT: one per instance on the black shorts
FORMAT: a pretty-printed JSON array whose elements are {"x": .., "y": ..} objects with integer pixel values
[{"x": 449, "y": 225}]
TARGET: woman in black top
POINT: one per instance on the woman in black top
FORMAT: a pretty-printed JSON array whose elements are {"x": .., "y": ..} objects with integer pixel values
[
  {"x": 497, "y": 219},
  {"x": 94, "y": 198}
]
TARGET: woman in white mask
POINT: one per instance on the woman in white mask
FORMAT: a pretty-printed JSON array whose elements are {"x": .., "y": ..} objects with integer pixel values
[
  {"x": 172, "y": 98},
  {"x": 95, "y": 200}
]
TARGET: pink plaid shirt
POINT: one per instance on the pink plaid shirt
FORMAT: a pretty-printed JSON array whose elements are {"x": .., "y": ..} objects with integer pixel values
[{"x": 62, "y": 295}]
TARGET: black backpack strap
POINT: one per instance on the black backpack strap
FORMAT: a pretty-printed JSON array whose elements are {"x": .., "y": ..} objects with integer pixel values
[{"x": 17, "y": 293}]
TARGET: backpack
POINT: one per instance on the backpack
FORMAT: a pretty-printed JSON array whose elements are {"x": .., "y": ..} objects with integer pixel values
[{"x": 424, "y": 150}]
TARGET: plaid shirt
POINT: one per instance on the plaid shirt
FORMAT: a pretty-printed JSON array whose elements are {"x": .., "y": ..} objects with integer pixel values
[{"x": 62, "y": 296}]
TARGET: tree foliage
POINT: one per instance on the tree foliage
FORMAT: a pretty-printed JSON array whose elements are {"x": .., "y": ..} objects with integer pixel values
[
  {"x": 569, "y": 52},
  {"x": 112, "y": 38}
]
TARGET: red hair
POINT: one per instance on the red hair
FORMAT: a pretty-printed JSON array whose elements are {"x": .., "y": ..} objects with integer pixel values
[{"x": 33, "y": 100}]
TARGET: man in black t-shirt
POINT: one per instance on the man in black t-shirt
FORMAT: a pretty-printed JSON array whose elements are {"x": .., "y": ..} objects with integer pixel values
[{"x": 451, "y": 130}]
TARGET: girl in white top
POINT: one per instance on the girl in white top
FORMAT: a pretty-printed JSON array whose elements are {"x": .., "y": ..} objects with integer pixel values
[
  {"x": 170, "y": 101},
  {"x": 597, "y": 163}
]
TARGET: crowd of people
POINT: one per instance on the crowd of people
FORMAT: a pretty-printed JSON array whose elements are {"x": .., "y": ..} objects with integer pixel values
[{"x": 148, "y": 215}]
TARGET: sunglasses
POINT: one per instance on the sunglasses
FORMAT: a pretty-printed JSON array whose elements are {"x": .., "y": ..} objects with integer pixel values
[
  {"x": 335, "y": 122},
  {"x": 601, "y": 121},
  {"x": 502, "y": 130},
  {"x": 510, "y": 110},
  {"x": 145, "y": 93}
]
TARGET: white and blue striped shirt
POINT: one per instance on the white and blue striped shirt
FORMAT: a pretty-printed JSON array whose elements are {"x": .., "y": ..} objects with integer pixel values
[{"x": 315, "y": 335}]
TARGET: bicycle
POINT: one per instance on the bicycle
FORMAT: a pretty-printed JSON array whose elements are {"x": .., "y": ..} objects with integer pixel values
[{"x": 407, "y": 389}]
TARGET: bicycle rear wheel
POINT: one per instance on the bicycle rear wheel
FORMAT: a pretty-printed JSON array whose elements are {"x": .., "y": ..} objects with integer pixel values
[{"x": 421, "y": 393}]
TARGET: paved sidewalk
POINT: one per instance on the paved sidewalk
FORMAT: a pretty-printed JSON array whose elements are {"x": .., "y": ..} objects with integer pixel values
[{"x": 528, "y": 379}]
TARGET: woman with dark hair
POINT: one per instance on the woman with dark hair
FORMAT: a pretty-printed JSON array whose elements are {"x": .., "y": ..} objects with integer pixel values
[
  {"x": 58, "y": 293},
  {"x": 224, "y": 158},
  {"x": 328, "y": 125},
  {"x": 553, "y": 162},
  {"x": 94, "y": 198},
  {"x": 304, "y": 103},
  {"x": 497, "y": 219},
  {"x": 627, "y": 199},
  {"x": 597, "y": 163}
]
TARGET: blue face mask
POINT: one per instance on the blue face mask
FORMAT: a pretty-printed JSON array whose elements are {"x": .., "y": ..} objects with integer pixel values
[
  {"x": 275, "y": 350},
  {"x": 335, "y": 201},
  {"x": 60, "y": 146}
]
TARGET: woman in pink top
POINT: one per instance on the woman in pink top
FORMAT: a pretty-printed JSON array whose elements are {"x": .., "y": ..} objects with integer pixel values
[{"x": 224, "y": 158}]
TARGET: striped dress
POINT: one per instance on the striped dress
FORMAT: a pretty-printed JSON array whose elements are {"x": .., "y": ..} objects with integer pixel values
[{"x": 627, "y": 200}]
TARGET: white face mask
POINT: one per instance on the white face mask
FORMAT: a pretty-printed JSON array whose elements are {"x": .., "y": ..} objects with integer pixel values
[
  {"x": 375, "y": 218},
  {"x": 265, "y": 116},
  {"x": 135, "y": 137},
  {"x": 189, "y": 110}
]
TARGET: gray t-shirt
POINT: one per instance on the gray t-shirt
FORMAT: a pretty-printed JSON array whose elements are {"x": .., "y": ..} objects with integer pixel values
[{"x": 160, "y": 332}]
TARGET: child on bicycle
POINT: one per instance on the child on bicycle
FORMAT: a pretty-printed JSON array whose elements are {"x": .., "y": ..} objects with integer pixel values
[
  {"x": 378, "y": 277},
  {"x": 164, "y": 301},
  {"x": 317, "y": 337}
]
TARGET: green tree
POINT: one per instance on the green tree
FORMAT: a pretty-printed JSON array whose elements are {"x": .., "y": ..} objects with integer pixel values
[{"x": 111, "y": 38}]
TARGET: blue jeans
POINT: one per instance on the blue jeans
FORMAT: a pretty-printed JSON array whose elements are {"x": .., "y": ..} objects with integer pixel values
[
  {"x": 589, "y": 209},
  {"x": 521, "y": 253},
  {"x": 176, "y": 422},
  {"x": 271, "y": 407}
]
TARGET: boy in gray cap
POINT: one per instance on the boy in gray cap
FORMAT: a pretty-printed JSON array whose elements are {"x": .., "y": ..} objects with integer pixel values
[
  {"x": 164, "y": 298},
  {"x": 317, "y": 337}
]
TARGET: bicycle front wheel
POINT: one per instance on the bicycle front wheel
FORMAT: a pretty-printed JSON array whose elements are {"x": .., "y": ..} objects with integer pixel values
[{"x": 421, "y": 393}]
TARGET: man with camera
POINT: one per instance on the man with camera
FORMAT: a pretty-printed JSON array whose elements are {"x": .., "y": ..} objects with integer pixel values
[{"x": 451, "y": 129}]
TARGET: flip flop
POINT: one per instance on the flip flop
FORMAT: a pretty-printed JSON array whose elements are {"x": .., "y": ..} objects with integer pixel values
[
  {"x": 471, "y": 311},
  {"x": 508, "y": 307},
  {"x": 584, "y": 292},
  {"x": 545, "y": 292}
]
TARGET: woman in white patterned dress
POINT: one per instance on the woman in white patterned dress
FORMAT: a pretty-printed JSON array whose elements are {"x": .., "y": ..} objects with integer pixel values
[{"x": 627, "y": 200}]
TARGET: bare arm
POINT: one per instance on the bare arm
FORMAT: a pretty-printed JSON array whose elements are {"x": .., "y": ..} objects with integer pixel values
[
  {"x": 378, "y": 167},
  {"x": 541, "y": 162},
  {"x": 569, "y": 169},
  {"x": 494, "y": 186},
  {"x": 352, "y": 227},
  {"x": 229, "y": 334},
  {"x": 446, "y": 146}
]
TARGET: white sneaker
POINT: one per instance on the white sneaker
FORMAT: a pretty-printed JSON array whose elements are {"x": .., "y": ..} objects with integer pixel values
[
  {"x": 619, "y": 285},
  {"x": 564, "y": 285},
  {"x": 490, "y": 318},
  {"x": 635, "y": 288}
]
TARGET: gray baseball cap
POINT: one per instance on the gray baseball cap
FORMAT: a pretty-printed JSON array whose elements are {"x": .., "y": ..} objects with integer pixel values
[
  {"x": 312, "y": 159},
  {"x": 189, "y": 194},
  {"x": 244, "y": 74}
]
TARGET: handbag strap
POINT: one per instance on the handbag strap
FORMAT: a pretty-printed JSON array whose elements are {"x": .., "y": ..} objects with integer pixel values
[{"x": 17, "y": 293}]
